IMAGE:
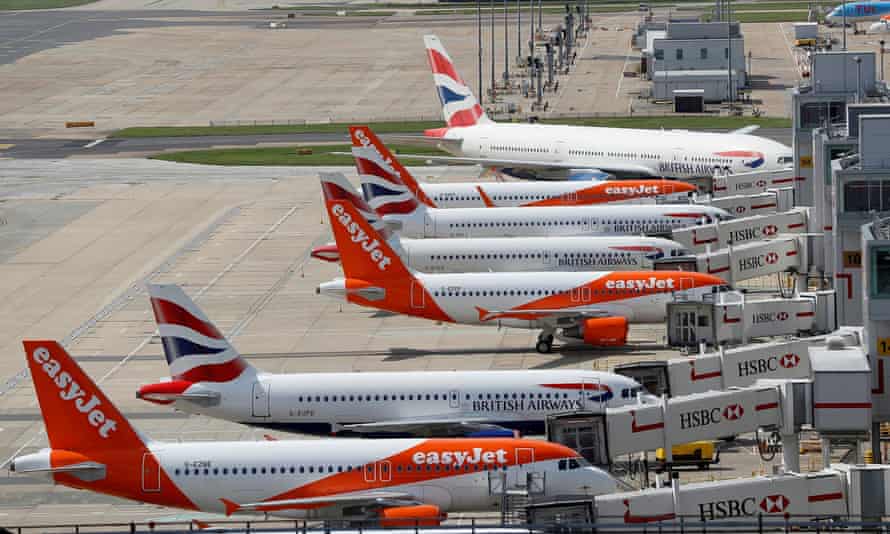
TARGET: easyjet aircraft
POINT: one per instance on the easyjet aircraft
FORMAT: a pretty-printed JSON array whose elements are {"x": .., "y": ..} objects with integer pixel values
[
  {"x": 525, "y": 194},
  {"x": 211, "y": 378},
  {"x": 503, "y": 254},
  {"x": 593, "y": 307},
  {"x": 396, "y": 482},
  {"x": 389, "y": 194},
  {"x": 556, "y": 150}
]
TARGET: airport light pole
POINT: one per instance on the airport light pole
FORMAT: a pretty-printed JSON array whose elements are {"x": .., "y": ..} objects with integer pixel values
[
  {"x": 729, "y": 54},
  {"x": 506, "y": 48},
  {"x": 882, "y": 59},
  {"x": 491, "y": 52},
  {"x": 519, "y": 28},
  {"x": 858, "y": 61},
  {"x": 479, "y": 46},
  {"x": 845, "y": 24}
]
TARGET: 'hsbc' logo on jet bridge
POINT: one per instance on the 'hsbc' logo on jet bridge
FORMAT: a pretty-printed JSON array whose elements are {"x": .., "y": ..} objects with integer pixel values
[
  {"x": 704, "y": 417},
  {"x": 357, "y": 235}
]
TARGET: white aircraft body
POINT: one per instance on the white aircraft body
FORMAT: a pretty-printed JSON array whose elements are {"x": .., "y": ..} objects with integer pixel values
[
  {"x": 392, "y": 482},
  {"x": 385, "y": 185},
  {"x": 510, "y": 254},
  {"x": 366, "y": 145},
  {"x": 448, "y": 403},
  {"x": 593, "y": 307},
  {"x": 529, "y": 150}
]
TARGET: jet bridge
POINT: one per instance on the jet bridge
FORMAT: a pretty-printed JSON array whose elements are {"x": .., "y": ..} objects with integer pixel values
[
  {"x": 751, "y": 183},
  {"x": 745, "y": 230},
  {"x": 836, "y": 401},
  {"x": 749, "y": 260},
  {"x": 858, "y": 492},
  {"x": 770, "y": 201},
  {"x": 732, "y": 317},
  {"x": 723, "y": 369}
]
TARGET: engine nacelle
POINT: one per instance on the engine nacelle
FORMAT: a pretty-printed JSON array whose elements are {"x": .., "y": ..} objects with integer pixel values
[
  {"x": 421, "y": 515},
  {"x": 604, "y": 331}
]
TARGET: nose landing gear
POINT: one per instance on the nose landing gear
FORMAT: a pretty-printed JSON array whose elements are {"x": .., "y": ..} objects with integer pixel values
[{"x": 545, "y": 343}]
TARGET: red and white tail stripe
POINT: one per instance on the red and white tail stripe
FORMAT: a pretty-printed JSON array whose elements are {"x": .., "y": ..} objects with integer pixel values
[{"x": 459, "y": 106}]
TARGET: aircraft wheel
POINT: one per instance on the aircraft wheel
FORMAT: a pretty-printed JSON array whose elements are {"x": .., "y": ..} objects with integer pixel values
[{"x": 544, "y": 346}]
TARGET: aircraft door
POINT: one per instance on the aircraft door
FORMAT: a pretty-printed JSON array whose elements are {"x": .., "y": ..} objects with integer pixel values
[
  {"x": 378, "y": 471},
  {"x": 560, "y": 152},
  {"x": 591, "y": 395},
  {"x": 454, "y": 399},
  {"x": 151, "y": 473},
  {"x": 260, "y": 399},
  {"x": 418, "y": 295},
  {"x": 686, "y": 283},
  {"x": 429, "y": 226}
]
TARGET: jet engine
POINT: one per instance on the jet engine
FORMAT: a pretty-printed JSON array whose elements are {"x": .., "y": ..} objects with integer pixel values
[
  {"x": 600, "y": 331},
  {"x": 421, "y": 515}
]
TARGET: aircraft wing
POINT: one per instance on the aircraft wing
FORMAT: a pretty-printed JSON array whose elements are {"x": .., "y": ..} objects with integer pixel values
[
  {"x": 448, "y": 145},
  {"x": 558, "y": 316},
  {"x": 387, "y": 498},
  {"x": 636, "y": 170},
  {"x": 746, "y": 129},
  {"x": 452, "y": 425}
]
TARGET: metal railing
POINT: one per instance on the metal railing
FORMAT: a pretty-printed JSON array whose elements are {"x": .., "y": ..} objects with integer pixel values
[{"x": 482, "y": 525}]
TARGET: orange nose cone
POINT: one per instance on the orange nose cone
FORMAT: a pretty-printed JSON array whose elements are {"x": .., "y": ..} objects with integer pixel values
[
  {"x": 705, "y": 279},
  {"x": 681, "y": 187}
]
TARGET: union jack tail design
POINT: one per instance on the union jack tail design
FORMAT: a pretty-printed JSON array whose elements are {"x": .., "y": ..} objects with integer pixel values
[
  {"x": 459, "y": 106},
  {"x": 343, "y": 190},
  {"x": 386, "y": 184},
  {"x": 195, "y": 350}
]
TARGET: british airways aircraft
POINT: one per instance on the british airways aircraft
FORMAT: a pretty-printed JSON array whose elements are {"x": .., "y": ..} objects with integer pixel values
[
  {"x": 385, "y": 186},
  {"x": 548, "y": 150},
  {"x": 366, "y": 146},
  {"x": 210, "y": 377},
  {"x": 387, "y": 482}
]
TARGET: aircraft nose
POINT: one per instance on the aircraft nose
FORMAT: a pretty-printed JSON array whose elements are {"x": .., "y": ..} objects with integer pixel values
[{"x": 595, "y": 481}]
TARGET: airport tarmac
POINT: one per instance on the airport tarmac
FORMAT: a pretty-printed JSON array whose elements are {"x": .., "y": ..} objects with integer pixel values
[
  {"x": 171, "y": 67},
  {"x": 238, "y": 240}
]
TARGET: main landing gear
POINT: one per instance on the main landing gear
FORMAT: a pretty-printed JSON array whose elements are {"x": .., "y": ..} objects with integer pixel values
[{"x": 545, "y": 343}]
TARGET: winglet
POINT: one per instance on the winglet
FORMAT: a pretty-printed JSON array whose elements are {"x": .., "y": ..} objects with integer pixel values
[
  {"x": 231, "y": 507},
  {"x": 745, "y": 129},
  {"x": 485, "y": 198},
  {"x": 201, "y": 524}
]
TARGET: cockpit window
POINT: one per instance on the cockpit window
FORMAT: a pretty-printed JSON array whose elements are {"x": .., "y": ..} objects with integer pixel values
[
  {"x": 785, "y": 160},
  {"x": 571, "y": 463}
]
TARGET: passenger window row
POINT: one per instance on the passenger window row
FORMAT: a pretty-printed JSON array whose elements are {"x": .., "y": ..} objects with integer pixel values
[
  {"x": 507, "y": 148},
  {"x": 447, "y": 292},
  {"x": 321, "y": 469},
  {"x": 532, "y": 255}
]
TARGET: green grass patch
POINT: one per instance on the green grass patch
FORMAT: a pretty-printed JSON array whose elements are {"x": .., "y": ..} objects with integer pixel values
[
  {"x": 9, "y": 5},
  {"x": 321, "y": 155},
  {"x": 771, "y": 16},
  {"x": 680, "y": 122},
  {"x": 772, "y": 6},
  {"x": 269, "y": 129},
  {"x": 370, "y": 13}
]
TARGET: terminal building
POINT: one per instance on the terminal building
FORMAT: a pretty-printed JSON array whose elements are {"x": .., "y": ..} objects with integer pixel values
[{"x": 695, "y": 55}]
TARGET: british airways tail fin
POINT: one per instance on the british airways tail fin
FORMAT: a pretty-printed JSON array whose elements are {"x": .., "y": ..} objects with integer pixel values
[
  {"x": 459, "y": 105},
  {"x": 195, "y": 350},
  {"x": 364, "y": 252},
  {"x": 382, "y": 174}
]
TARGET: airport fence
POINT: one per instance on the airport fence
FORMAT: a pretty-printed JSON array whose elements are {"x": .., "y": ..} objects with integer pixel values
[
  {"x": 436, "y": 117},
  {"x": 691, "y": 524}
]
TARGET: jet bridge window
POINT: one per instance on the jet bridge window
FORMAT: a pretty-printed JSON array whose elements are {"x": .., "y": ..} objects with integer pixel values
[
  {"x": 867, "y": 195},
  {"x": 879, "y": 282}
]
